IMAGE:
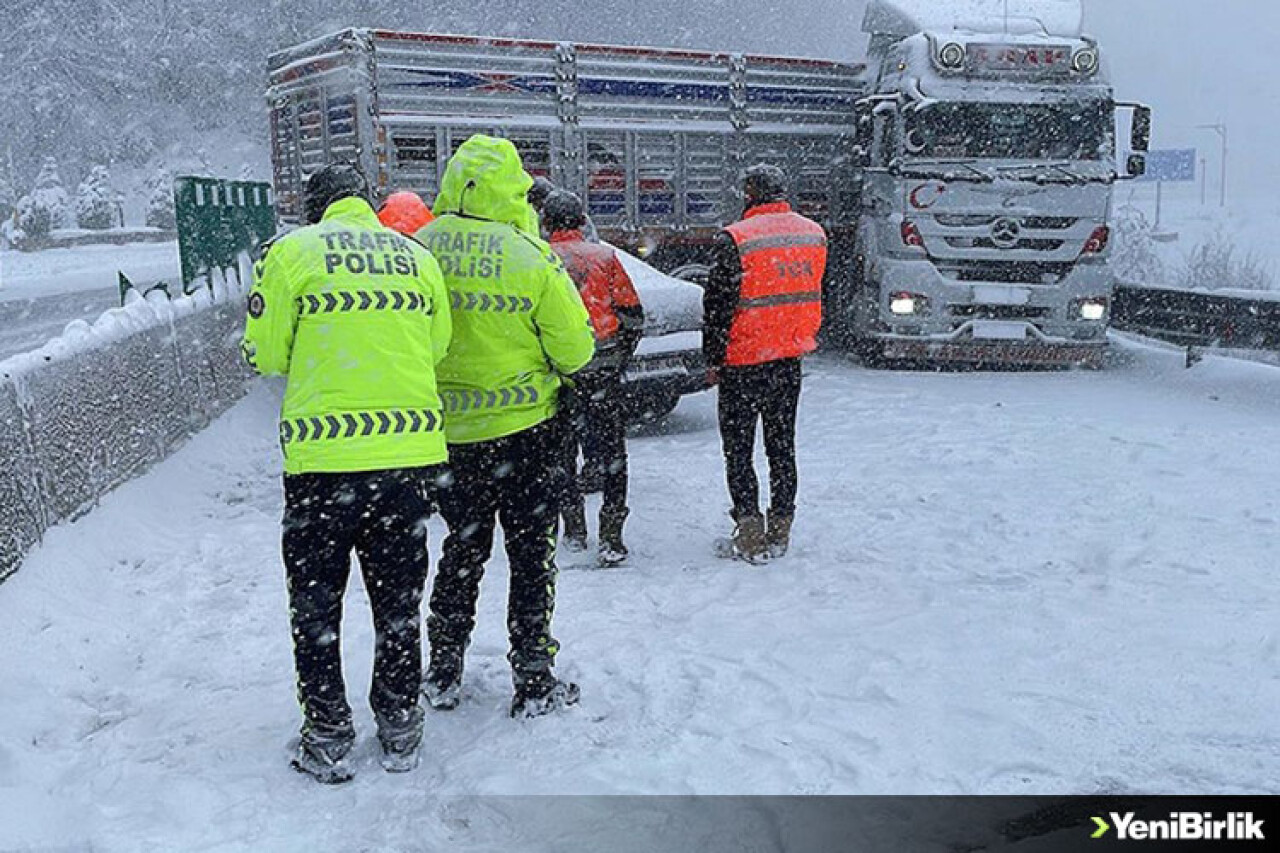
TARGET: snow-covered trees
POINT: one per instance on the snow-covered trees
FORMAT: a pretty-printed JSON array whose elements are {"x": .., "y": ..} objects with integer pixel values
[
  {"x": 160, "y": 212},
  {"x": 1217, "y": 263},
  {"x": 43, "y": 209},
  {"x": 1134, "y": 257},
  {"x": 96, "y": 204},
  {"x": 8, "y": 193},
  {"x": 120, "y": 81}
]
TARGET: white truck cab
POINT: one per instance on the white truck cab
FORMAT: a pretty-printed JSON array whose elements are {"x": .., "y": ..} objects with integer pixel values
[{"x": 989, "y": 157}]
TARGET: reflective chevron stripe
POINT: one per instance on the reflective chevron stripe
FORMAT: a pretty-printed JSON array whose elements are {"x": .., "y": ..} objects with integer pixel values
[
  {"x": 494, "y": 303},
  {"x": 359, "y": 425},
  {"x": 467, "y": 401},
  {"x": 361, "y": 300}
]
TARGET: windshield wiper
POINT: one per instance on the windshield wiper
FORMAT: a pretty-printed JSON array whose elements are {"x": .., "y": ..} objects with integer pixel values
[
  {"x": 977, "y": 174},
  {"x": 1061, "y": 168}
]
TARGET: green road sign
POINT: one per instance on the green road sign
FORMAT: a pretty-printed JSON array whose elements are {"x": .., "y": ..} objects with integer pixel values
[{"x": 217, "y": 221}]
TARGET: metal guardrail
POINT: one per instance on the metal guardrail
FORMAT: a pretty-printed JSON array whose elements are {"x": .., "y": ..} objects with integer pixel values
[
  {"x": 1198, "y": 319},
  {"x": 76, "y": 423}
]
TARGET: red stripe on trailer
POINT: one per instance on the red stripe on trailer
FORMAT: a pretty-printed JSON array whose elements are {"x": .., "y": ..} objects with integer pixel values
[{"x": 628, "y": 50}]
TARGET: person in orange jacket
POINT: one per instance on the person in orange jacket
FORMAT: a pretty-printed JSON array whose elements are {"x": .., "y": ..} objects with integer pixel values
[
  {"x": 762, "y": 309},
  {"x": 596, "y": 419},
  {"x": 405, "y": 212}
]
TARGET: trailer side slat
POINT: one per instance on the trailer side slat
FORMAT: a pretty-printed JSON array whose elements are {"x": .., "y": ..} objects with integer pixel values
[{"x": 652, "y": 138}]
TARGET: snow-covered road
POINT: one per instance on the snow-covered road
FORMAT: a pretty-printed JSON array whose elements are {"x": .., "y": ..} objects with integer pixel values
[
  {"x": 1031, "y": 583},
  {"x": 41, "y": 292}
]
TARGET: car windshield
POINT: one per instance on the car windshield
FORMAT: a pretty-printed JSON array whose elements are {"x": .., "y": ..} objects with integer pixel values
[{"x": 1081, "y": 131}]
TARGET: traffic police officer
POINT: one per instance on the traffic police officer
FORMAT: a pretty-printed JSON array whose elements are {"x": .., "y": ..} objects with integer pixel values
[
  {"x": 519, "y": 326},
  {"x": 762, "y": 309},
  {"x": 357, "y": 317}
]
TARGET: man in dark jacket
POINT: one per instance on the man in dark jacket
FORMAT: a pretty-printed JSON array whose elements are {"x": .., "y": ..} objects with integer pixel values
[
  {"x": 596, "y": 418},
  {"x": 762, "y": 310}
]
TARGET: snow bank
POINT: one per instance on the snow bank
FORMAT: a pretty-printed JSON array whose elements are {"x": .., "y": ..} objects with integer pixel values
[{"x": 103, "y": 402}]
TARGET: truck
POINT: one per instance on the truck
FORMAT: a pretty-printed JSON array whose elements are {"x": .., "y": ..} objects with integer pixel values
[
  {"x": 957, "y": 232},
  {"x": 988, "y": 160}
]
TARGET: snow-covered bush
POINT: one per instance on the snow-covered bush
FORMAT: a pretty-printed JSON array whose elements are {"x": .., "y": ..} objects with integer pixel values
[
  {"x": 1133, "y": 254},
  {"x": 160, "y": 213},
  {"x": 96, "y": 206},
  {"x": 43, "y": 209},
  {"x": 1217, "y": 264}
]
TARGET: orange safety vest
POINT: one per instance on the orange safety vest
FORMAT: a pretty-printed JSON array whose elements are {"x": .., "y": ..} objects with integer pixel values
[
  {"x": 602, "y": 281},
  {"x": 779, "y": 309}
]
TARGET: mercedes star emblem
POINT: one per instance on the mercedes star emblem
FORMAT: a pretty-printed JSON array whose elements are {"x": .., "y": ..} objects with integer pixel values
[{"x": 1005, "y": 233}]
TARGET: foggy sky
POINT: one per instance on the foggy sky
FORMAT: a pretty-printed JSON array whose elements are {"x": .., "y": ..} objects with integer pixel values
[{"x": 1202, "y": 62}]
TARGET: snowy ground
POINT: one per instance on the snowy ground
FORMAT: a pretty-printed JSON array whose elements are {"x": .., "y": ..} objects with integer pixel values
[{"x": 1030, "y": 583}]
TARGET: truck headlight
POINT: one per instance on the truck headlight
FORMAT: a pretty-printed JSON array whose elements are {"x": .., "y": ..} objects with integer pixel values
[
  {"x": 906, "y": 304},
  {"x": 1093, "y": 310},
  {"x": 1085, "y": 61}
]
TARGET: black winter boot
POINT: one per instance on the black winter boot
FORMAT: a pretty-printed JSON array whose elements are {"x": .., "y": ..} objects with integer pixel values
[
  {"x": 324, "y": 760},
  {"x": 442, "y": 683},
  {"x": 546, "y": 700},
  {"x": 575, "y": 530},
  {"x": 400, "y": 739},
  {"x": 613, "y": 551}
]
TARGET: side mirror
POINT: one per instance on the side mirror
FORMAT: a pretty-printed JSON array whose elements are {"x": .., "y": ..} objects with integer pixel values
[
  {"x": 1140, "y": 137},
  {"x": 1136, "y": 166}
]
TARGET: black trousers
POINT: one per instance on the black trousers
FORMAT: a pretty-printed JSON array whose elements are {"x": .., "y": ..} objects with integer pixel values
[
  {"x": 595, "y": 424},
  {"x": 770, "y": 393},
  {"x": 518, "y": 480},
  {"x": 382, "y": 516}
]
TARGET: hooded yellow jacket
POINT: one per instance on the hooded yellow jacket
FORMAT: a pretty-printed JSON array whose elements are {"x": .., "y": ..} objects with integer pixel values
[{"x": 519, "y": 324}]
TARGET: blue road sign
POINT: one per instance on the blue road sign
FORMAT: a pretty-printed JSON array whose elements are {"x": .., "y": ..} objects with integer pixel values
[{"x": 1171, "y": 164}]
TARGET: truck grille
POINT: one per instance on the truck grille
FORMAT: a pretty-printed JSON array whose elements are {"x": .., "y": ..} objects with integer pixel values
[
  {"x": 998, "y": 312},
  {"x": 1012, "y": 272},
  {"x": 984, "y": 220}
]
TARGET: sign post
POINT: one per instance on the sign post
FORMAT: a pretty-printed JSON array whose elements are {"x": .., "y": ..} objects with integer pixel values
[{"x": 1177, "y": 165}]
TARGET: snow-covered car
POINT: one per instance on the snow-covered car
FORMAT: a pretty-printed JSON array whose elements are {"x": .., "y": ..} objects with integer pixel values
[{"x": 668, "y": 363}]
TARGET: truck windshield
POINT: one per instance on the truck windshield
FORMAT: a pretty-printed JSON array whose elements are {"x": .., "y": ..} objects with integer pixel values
[{"x": 1076, "y": 131}]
